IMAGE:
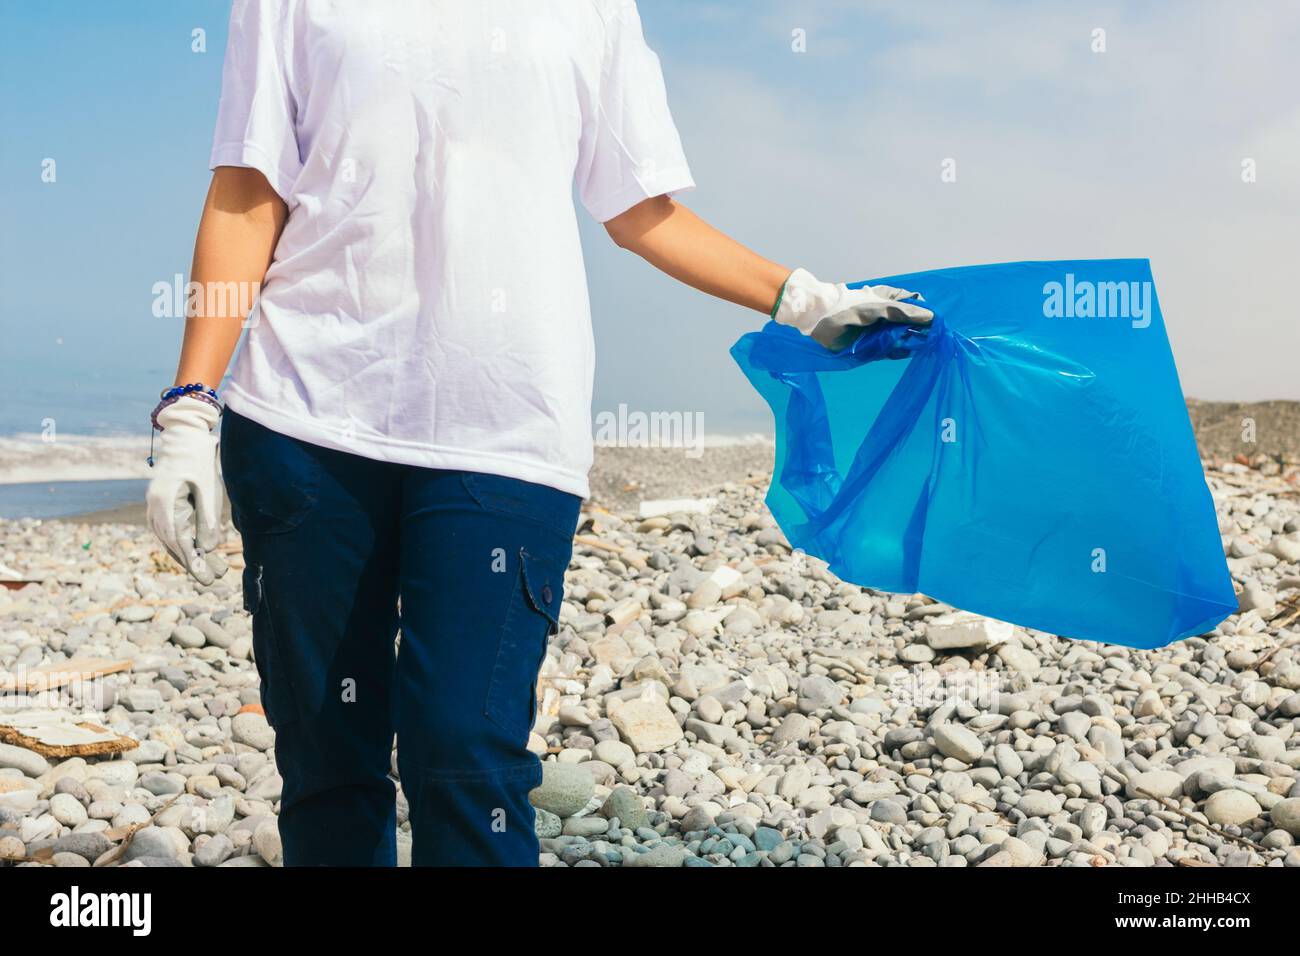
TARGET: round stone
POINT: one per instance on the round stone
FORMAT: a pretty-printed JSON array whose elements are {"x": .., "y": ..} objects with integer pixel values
[
  {"x": 565, "y": 789},
  {"x": 1287, "y": 815},
  {"x": 958, "y": 742},
  {"x": 1231, "y": 808},
  {"x": 251, "y": 729}
]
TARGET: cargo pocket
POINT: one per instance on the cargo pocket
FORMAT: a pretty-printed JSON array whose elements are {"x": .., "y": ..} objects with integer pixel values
[
  {"x": 276, "y": 693},
  {"x": 531, "y": 619}
]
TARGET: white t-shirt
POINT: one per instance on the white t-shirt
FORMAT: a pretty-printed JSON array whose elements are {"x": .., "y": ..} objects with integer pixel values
[{"x": 428, "y": 301}]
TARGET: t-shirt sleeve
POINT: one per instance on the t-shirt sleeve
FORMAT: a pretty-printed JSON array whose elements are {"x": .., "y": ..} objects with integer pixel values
[
  {"x": 256, "y": 114},
  {"x": 630, "y": 148}
]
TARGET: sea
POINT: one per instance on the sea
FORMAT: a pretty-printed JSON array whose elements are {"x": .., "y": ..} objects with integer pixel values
[
  {"x": 76, "y": 441},
  {"x": 79, "y": 444}
]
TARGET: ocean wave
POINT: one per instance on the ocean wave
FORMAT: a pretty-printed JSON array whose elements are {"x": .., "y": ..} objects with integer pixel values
[
  {"x": 26, "y": 458},
  {"x": 30, "y": 458}
]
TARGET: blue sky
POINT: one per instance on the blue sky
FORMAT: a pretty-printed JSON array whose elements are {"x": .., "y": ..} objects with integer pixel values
[{"x": 828, "y": 158}]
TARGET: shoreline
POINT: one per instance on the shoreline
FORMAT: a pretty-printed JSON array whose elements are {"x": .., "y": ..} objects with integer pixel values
[
  {"x": 620, "y": 476},
  {"x": 1223, "y": 430}
]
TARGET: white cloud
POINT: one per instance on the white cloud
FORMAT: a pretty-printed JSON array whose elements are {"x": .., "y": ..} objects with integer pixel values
[{"x": 832, "y": 162}]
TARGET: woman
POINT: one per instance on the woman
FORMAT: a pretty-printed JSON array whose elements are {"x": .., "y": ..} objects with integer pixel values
[{"x": 409, "y": 418}]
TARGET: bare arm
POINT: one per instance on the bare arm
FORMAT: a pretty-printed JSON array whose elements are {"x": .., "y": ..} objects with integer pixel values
[
  {"x": 681, "y": 244},
  {"x": 242, "y": 220}
]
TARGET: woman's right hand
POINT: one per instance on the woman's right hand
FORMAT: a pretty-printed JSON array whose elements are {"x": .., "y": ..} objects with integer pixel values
[
  {"x": 185, "y": 496},
  {"x": 242, "y": 220}
]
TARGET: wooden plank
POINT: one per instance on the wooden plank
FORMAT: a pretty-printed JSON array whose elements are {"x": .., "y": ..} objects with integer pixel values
[
  {"x": 53, "y": 734},
  {"x": 50, "y": 676}
]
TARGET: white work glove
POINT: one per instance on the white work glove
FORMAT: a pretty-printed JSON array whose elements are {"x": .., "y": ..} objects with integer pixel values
[
  {"x": 185, "y": 495},
  {"x": 835, "y": 315}
]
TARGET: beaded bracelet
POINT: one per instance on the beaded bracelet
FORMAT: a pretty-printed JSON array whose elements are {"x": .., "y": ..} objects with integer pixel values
[
  {"x": 174, "y": 394},
  {"x": 178, "y": 390}
]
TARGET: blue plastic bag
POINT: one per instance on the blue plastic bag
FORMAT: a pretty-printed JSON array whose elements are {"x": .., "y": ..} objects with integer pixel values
[{"x": 1027, "y": 457}]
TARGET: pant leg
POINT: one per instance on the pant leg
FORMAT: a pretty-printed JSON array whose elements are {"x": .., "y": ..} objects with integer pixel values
[
  {"x": 482, "y": 571},
  {"x": 321, "y": 577}
]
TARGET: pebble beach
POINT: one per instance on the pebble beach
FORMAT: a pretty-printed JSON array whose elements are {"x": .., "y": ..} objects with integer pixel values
[{"x": 713, "y": 698}]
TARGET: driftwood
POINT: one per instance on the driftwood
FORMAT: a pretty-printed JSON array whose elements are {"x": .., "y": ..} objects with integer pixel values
[
  {"x": 33, "y": 680},
  {"x": 114, "y": 855},
  {"x": 630, "y": 555},
  {"x": 59, "y": 735},
  {"x": 45, "y": 855}
]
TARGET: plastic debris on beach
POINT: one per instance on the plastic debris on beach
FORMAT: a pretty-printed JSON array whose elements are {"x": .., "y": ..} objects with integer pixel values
[
  {"x": 1027, "y": 457},
  {"x": 661, "y": 507}
]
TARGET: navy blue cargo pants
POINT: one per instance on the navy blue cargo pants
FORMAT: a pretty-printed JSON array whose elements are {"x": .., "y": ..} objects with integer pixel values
[{"x": 334, "y": 544}]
